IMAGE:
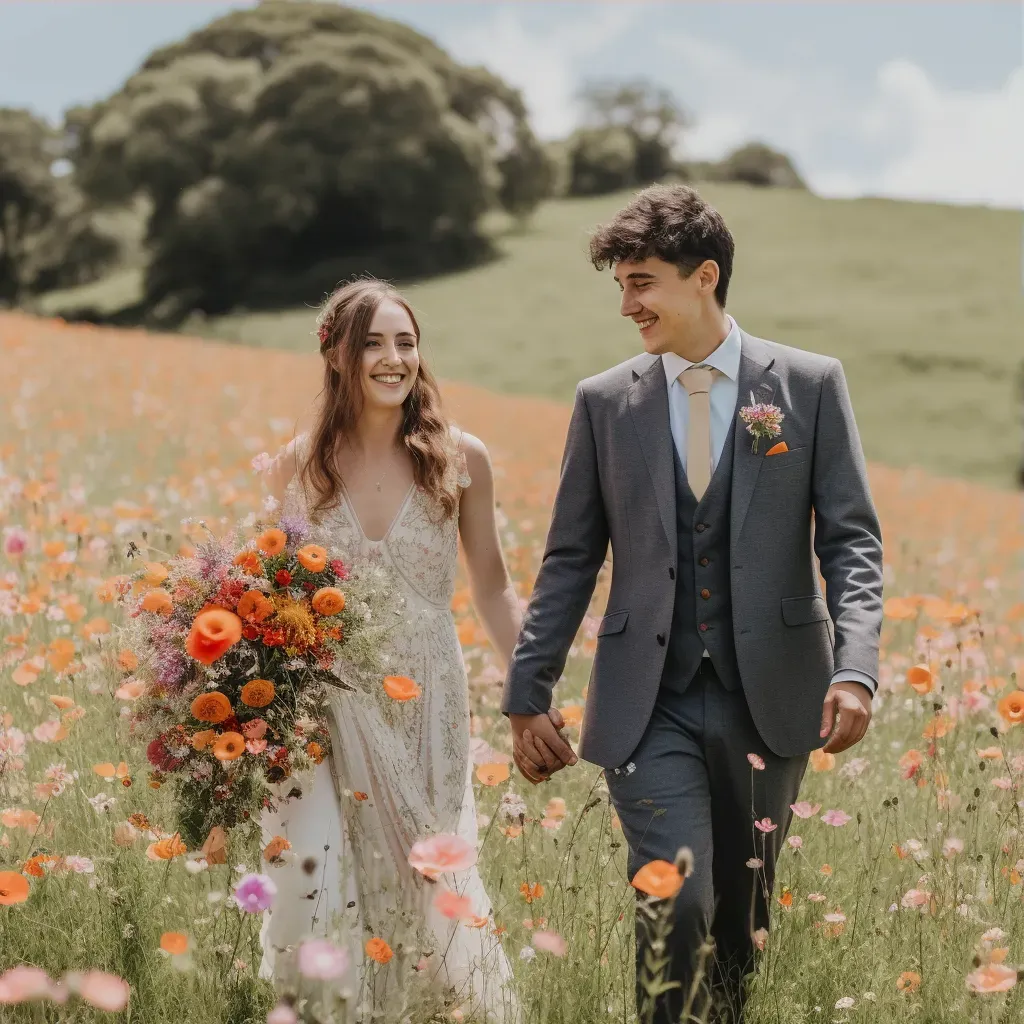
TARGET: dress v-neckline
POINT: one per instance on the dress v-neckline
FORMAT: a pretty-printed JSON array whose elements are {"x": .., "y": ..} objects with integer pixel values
[{"x": 394, "y": 519}]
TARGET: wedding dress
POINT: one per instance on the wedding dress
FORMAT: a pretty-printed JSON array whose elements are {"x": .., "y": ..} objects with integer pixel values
[{"x": 398, "y": 773}]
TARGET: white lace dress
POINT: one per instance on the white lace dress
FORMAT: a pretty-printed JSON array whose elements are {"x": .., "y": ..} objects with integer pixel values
[{"x": 395, "y": 776}]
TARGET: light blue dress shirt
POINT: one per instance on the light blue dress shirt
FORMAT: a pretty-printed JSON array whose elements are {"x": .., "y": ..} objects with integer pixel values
[{"x": 724, "y": 397}]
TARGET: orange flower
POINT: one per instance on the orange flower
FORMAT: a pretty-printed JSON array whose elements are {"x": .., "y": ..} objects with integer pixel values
[
  {"x": 359, "y": 797},
  {"x": 174, "y": 943},
  {"x": 992, "y": 978},
  {"x": 229, "y": 746},
  {"x": 36, "y": 866},
  {"x": 822, "y": 762},
  {"x": 786, "y": 899},
  {"x": 659, "y": 879},
  {"x": 908, "y": 981},
  {"x": 20, "y": 817},
  {"x": 14, "y": 888},
  {"x": 312, "y": 557},
  {"x": 250, "y": 562},
  {"x": 937, "y": 727},
  {"x": 920, "y": 677},
  {"x": 379, "y": 950},
  {"x": 273, "y": 850},
  {"x": 492, "y": 774},
  {"x": 271, "y": 542},
  {"x": 315, "y": 751},
  {"x": 214, "y": 632},
  {"x": 328, "y": 601},
  {"x": 257, "y": 693},
  {"x": 572, "y": 715},
  {"x": 202, "y": 739},
  {"x": 1011, "y": 707},
  {"x": 167, "y": 849},
  {"x": 216, "y": 846},
  {"x": 531, "y": 892},
  {"x": 212, "y": 707},
  {"x": 401, "y": 688},
  {"x": 159, "y": 601},
  {"x": 60, "y": 701},
  {"x": 253, "y": 604},
  {"x": 155, "y": 574}
]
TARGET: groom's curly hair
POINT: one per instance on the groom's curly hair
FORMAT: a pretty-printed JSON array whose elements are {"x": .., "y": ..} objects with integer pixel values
[{"x": 673, "y": 223}]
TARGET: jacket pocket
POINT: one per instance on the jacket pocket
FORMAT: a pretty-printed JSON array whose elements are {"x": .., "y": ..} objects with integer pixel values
[
  {"x": 794, "y": 457},
  {"x": 614, "y": 623},
  {"x": 799, "y": 611}
]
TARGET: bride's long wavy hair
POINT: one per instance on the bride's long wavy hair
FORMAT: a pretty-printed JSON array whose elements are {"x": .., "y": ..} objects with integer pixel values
[{"x": 342, "y": 325}]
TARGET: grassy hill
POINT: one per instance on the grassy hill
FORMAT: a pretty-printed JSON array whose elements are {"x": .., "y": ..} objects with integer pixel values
[{"x": 923, "y": 304}]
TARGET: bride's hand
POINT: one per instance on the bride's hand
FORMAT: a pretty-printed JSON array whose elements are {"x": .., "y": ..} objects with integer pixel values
[{"x": 539, "y": 748}]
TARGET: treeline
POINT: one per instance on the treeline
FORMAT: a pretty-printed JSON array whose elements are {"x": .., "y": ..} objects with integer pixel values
[{"x": 284, "y": 147}]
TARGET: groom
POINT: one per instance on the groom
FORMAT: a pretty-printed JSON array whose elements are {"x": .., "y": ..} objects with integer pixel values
[{"x": 716, "y": 643}]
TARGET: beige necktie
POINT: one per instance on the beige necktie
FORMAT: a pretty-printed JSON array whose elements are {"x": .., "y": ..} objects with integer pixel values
[{"x": 697, "y": 381}]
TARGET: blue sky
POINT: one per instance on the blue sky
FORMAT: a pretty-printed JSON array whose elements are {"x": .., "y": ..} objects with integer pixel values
[{"x": 917, "y": 100}]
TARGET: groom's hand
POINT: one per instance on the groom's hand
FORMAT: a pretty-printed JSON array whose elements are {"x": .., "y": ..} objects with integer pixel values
[
  {"x": 850, "y": 703},
  {"x": 538, "y": 747}
]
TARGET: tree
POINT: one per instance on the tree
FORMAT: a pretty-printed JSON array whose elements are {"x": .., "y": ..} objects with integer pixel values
[
  {"x": 633, "y": 121},
  {"x": 28, "y": 193},
  {"x": 758, "y": 164},
  {"x": 290, "y": 137}
]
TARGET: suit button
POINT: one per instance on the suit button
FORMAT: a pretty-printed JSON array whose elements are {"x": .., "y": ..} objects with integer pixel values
[
  {"x": 671, "y": 573},
  {"x": 705, "y": 593},
  {"x": 661, "y": 639},
  {"x": 705, "y": 560},
  {"x": 701, "y": 527},
  {"x": 703, "y": 627}
]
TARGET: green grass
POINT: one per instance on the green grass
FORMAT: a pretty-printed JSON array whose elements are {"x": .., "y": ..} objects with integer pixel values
[{"x": 922, "y": 303}]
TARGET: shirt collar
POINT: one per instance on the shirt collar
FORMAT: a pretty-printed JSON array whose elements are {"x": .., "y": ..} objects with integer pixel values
[{"x": 725, "y": 358}]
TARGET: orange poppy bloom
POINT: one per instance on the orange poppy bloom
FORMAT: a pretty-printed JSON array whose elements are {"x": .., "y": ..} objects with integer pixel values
[
  {"x": 214, "y": 632},
  {"x": 62, "y": 702},
  {"x": 257, "y": 693},
  {"x": 174, "y": 943},
  {"x": 1011, "y": 707},
  {"x": 531, "y": 892},
  {"x": 401, "y": 688},
  {"x": 822, "y": 762},
  {"x": 167, "y": 849},
  {"x": 659, "y": 879},
  {"x": 273, "y": 850},
  {"x": 202, "y": 739},
  {"x": 253, "y": 604},
  {"x": 921, "y": 678},
  {"x": 379, "y": 951},
  {"x": 159, "y": 601},
  {"x": 250, "y": 562},
  {"x": 359, "y": 797},
  {"x": 492, "y": 774},
  {"x": 14, "y": 888},
  {"x": 786, "y": 899},
  {"x": 229, "y": 746},
  {"x": 272, "y": 542},
  {"x": 315, "y": 751},
  {"x": 328, "y": 601},
  {"x": 212, "y": 707},
  {"x": 312, "y": 557},
  {"x": 572, "y": 714}
]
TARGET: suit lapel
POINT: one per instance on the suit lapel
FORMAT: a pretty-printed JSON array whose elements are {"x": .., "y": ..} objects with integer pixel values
[
  {"x": 648, "y": 406},
  {"x": 756, "y": 377}
]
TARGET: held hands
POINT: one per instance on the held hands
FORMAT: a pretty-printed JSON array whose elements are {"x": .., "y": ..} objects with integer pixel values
[
  {"x": 847, "y": 708},
  {"x": 538, "y": 747}
]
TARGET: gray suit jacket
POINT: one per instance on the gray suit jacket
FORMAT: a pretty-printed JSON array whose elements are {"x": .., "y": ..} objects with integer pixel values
[{"x": 617, "y": 486}]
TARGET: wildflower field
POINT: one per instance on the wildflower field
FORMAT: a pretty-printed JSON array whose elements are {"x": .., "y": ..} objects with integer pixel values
[{"x": 899, "y": 893}]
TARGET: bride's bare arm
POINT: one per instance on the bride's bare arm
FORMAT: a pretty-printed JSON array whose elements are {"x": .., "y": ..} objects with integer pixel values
[{"x": 494, "y": 596}]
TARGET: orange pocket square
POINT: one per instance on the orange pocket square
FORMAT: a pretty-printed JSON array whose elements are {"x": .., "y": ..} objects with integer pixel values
[{"x": 777, "y": 449}]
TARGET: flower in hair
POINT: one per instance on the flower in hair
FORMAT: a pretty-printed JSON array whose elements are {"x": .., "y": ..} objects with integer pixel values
[{"x": 324, "y": 331}]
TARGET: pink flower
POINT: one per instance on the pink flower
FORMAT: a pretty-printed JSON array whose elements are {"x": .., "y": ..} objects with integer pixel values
[
  {"x": 255, "y": 746},
  {"x": 549, "y": 942},
  {"x": 442, "y": 853},
  {"x": 755, "y": 863},
  {"x": 1004, "y": 783},
  {"x": 804, "y": 809},
  {"x": 23, "y": 983},
  {"x": 756, "y": 762},
  {"x": 835, "y": 818},
  {"x": 951, "y": 847},
  {"x": 452, "y": 905},
  {"x": 816, "y": 897},
  {"x": 15, "y": 541},
  {"x": 262, "y": 462},
  {"x": 282, "y": 1014},
  {"x": 916, "y": 898},
  {"x": 795, "y": 842},
  {"x": 321, "y": 959},
  {"x": 255, "y": 729},
  {"x": 765, "y": 825},
  {"x": 760, "y": 938},
  {"x": 255, "y": 893},
  {"x": 104, "y": 991},
  {"x": 992, "y": 978},
  {"x": 837, "y": 918}
]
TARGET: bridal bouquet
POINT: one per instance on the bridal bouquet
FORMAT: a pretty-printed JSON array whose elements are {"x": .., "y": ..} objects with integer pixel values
[{"x": 237, "y": 646}]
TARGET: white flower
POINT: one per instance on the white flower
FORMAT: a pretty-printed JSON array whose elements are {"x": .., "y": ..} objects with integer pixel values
[
  {"x": 527, "y": 953},
  {"x": 101, "y": 803},
  {"x": 512, "y": 805},
  {"x": 845, "y": 1003},
  {"x": 262, "y": 462}
]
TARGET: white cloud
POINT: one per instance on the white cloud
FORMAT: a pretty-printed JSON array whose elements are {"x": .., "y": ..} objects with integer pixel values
[{"x": 543, "y": 68}]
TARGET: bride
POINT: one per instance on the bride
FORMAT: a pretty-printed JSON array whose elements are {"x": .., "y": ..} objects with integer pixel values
[{"x": 382, "y": 476}]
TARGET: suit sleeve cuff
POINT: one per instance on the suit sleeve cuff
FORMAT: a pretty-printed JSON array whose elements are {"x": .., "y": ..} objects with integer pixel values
[{"x": 851, "y": 675}]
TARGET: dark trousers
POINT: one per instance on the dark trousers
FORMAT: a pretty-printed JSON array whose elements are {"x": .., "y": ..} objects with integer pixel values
[{"x": 691, "y": 784}]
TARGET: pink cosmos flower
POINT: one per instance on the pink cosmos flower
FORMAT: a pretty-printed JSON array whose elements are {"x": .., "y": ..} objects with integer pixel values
[
  {"x": 104, "y": 991},
  {"x": 282, "y": 1014},
  {"x": 755, "y": 863},
  {"x": 835, "y": 818},
  {"x": 255, "y": 746},
  {"x": 436, "y": 855},
  {"x": 22, "y": 984},
  {"x": 952, "y": 846},
  {"x": 804, "y": 809},
  {"x": 765, "y": 825},
  {"x": 795, "y": 842},
  {"x": 1004, "y": 783},
  {"x": 255, "y": 893},
  {"x": 15, "y": 541},
  {"x": 549, "y": 942},
  {"x": 756, "y": 762},
  {"x": 816, "y": 897},
  {"x": 321, "y": 959},
  {"x": 255, "y": 729},
  {"x": 452, "y": 905},
  {"x": 916, "y": 898},
  {"x": 760, "y": 938}
]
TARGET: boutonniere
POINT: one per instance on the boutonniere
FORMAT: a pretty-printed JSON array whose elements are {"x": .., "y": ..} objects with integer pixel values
[{"x": 762, "y": 420}]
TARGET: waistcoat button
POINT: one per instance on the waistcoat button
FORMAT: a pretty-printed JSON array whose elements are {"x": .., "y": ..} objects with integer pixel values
[
  {"x": 661, "y": 639},
  {"x": 701, "y": 527},
  {"x": 671, "y": 573},
  {"x": 705, "y": 593},
  {"x": 705, "y": 560},
  {"x": 703, "y": 627}
]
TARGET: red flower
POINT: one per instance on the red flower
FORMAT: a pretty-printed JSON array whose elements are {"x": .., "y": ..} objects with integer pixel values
[
  {"x": 283, "y": 577},
  {"x": 250, "y": 632},
  {"x": 309, "y": 587},
  {"x": 274, "y": 637},
  {"x": 339, "y": 569},
  {"x": 160, "y": 757}
]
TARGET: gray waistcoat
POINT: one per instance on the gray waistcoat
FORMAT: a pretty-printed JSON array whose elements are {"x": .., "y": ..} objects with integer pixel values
[{"x": 702, "y": 615}]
